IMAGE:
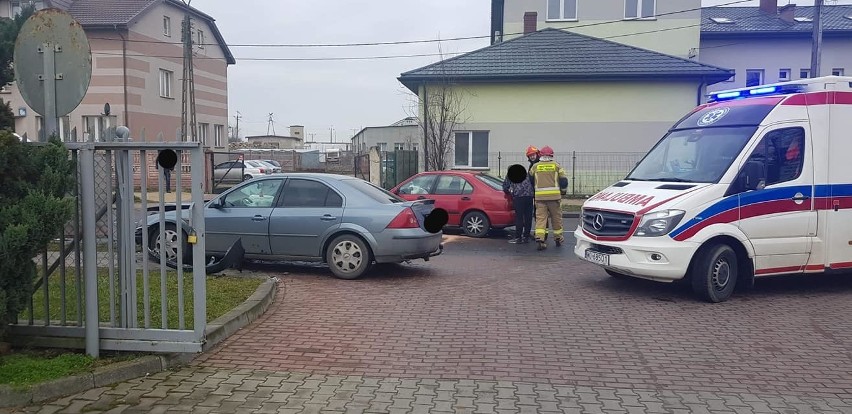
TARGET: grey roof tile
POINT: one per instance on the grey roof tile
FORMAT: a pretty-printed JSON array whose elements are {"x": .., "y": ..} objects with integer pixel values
[
  {"x": 557, "y": 55},
  {"x": 107, "y": 12},
  {"x": 752, "y": 20}
]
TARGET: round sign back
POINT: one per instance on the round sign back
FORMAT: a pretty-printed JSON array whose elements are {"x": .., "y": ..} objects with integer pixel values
[{"x": 52, "y": 34}]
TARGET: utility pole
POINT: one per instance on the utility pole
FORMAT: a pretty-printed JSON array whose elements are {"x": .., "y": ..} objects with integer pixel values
[
  {"x": 271, "y": 124},
  {"x": 237, "y": 132},
  {"x": 816, "y": 47},
  {"x": 188, "y": 93}
]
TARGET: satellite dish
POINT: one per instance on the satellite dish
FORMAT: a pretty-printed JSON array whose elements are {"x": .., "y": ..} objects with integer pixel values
[{"x": 52, "y": 34}]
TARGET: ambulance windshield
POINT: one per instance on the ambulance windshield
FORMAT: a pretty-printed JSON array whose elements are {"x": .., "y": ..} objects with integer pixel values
[{"x": 693, "y": 155}]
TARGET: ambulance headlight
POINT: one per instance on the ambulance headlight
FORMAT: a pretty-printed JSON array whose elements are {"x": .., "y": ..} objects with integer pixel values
[{"x": 659, "y": 223}]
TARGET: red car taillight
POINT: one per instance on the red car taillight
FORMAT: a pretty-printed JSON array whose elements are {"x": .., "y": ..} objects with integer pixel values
[
  {"x": 262, "y": 171},
  {"x": 404, "y": 220}
]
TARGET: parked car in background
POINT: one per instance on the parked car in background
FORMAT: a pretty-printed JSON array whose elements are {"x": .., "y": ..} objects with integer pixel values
[
  {"x": 344, "y": 221},
  {"x": 474, "y": 200},
  {"x": 273, "y": 163},
  {"x": 275, "y": 168},
  {"x": 236, "y": 171}
]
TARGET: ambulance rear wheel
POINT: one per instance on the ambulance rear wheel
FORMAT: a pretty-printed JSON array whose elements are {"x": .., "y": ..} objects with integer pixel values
[{"x": 715, "y": 273}]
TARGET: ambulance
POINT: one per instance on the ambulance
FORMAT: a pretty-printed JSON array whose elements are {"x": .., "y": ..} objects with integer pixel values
[{"x": 757, "y": 182}]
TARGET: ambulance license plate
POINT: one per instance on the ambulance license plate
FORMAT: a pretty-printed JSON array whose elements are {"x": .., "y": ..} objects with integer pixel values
[{"x": 597, "y": 257}]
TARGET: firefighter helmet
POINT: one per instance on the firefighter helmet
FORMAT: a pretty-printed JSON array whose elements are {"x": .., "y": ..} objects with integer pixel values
[
  {"x": 546, "y": 151},
  {"x": 531, "y": 150}
]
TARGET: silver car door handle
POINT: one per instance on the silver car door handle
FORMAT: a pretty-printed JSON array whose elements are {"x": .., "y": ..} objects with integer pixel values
[
  {"x": 328, "y": 217},
  {"x": 258, "y": 218}
]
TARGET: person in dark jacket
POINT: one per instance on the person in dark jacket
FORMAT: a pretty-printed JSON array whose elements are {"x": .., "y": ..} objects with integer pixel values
[{"x": 518, "y": 185}]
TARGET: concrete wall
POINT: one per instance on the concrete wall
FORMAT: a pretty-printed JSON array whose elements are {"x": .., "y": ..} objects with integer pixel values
[
  {"x": 772, "y": 55},
  {"x": 674, "y": 34}
]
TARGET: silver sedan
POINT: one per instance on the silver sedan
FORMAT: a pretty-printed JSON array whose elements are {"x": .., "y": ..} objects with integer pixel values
[{"x": 344, "y": 221}]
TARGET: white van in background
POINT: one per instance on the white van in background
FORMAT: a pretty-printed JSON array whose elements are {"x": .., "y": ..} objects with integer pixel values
[{"x": 757, "y": 182}]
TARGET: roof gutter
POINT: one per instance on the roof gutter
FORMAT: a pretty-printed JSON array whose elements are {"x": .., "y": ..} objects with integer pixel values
[{"x": 124, "y": 70}]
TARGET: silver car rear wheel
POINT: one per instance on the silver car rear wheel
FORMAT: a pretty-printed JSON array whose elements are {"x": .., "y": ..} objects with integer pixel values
[
  {"x": 348, "y": 256},
  {"x": 169, "y": 247}
]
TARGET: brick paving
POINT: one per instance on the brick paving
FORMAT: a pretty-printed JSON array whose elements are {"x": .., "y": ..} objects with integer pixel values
[{"x": 492, "y": 327}]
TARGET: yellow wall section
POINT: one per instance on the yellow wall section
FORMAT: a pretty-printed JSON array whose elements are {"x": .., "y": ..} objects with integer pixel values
[{"x": 578, "y": 102}]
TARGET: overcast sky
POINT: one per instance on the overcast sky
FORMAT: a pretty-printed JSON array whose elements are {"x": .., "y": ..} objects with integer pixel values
[{"x": 343, "y": 95}]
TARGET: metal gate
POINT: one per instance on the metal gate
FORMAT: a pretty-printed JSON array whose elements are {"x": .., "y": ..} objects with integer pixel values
[
  {"x": 397, "y": 166},
  {"x": 96, "y": 289}
]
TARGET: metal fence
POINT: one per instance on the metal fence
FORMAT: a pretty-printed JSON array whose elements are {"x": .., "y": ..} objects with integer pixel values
[
  {"x": 342, "y": 162},
  {"x": 95, "y": 288},
  {"x": 588, "y": 172}
]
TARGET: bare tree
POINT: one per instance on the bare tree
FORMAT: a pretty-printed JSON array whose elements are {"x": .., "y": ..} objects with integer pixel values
[{"x": 440, "y": 109}]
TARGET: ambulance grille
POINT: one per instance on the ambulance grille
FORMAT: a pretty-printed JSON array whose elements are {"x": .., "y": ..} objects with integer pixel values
[{"x": 614, "y": 224}]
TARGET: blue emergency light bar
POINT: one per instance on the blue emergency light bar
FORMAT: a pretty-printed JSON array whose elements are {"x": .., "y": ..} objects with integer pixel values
[{"x": 756, "y": 91}]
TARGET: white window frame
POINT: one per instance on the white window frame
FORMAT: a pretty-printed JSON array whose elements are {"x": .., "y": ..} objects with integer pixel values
[
  {"x": 167, "y": 26},
  {"x": 382, "y": 146},
  {"x": 562, "y": 17},
  {"x": 760, "y": 72},
  {"x": 468, "y": 165},
  {"x": 218, "y": 132},
  {"x": 200, "y": 35},
  {"x": 166, "y": 82},
  {"x": 638, "y": 16},
  {"x": 789, "y": 75},
  {"x": 808, "y": 71},
  {"x": 203, "y": 129},
  {"x": 838, "y": 72},
  {"x": 398, "y": 146}
]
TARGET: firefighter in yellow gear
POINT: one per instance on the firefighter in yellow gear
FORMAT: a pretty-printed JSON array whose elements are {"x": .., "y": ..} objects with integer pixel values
[{"x": 549, "y": 182}]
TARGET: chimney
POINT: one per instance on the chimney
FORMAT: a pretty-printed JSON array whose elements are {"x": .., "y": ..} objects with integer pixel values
[
  {"x": 530, "y": 22},
  {"x": 297, "y": 131},
  {"x": 787, "y": 13},
  {"x": 769, "y": 7}
]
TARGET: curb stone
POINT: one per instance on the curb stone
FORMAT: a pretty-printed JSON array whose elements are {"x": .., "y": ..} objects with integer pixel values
[{"x": 217, "y": 331}]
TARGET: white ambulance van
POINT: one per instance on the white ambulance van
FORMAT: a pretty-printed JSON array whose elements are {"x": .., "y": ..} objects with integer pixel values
[{"x": 757, "y": 182}]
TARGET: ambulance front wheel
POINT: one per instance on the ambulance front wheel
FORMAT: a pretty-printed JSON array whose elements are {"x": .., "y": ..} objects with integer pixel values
[{"x": 714, "y": 274}]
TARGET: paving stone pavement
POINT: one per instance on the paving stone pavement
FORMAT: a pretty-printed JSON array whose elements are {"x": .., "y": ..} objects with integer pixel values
[
  {"x": 490, "y": 327},
  {"x": 210, "y": 390}
]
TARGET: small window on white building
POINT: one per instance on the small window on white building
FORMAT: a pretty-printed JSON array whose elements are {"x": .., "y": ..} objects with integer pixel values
[
  {"x": 837, "y": 72},
  {"x": 167, "y": 26},
  {"x": 398, "y": 146},
  {"x": 804, "y": 73},
  {"x": 640, "y": 9},
  {"x": 561, "y": 9},
  {"x": 471, "y": 149},
  {"x": 383, "y": 146},
  {"x": 784, "y": 75},
  {"x": 166, "y": 77},
  {"x": 754, "y": 77},
  {"x": 201, "y": 39}
]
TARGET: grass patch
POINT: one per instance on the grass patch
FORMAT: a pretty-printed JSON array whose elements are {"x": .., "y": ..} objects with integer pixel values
[
  {"x": 573, "y": 208},
  {"x": 27, "y": 368},
  {"x": 223, "y": 294}
]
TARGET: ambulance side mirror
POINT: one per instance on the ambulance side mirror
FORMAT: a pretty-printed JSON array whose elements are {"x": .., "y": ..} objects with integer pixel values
[{"x": 753, "y": 175}]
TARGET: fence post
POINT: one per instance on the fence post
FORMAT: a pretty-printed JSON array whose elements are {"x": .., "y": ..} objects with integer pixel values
[
  {"x": 573, "y": 173},
  {"x": 90, "y": 256}
]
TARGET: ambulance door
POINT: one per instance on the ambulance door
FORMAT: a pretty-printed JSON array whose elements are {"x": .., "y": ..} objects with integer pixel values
[
  {"x": 838, "y": 209},
  {"x": 779, "y": 216}
]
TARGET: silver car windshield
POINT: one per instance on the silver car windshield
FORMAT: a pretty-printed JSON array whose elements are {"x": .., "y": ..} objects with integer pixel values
[{"x": 693, "y": 155}]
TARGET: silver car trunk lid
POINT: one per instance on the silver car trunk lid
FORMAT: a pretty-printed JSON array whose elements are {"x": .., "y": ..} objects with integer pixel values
[{"x": 421, "y": 209}]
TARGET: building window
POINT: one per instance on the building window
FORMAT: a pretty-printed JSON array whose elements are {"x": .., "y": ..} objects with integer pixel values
[
  {"x": 97, "y": 128},
  {"x": 784, "y": 75},
  {"x": 166, "y": 77},
  {"x": 561, "y": 9},
  {"x": 415, "y": 146},
  {"x": 167, "y": 26},
  {"x": 64, "y": 127},
  {"x": 383, "y": 146},
  {"x": 202, "y": 133},
  {"x": 804, "y": 73},
  {"x": 398, "y": 146},
  {"x": 471, "y": 149},
  {"x": 754, "y": 77},
  {"x": 15, "y": 6},
  {"x": 218, "y": 133},
  {"x": 837, "y": 72},
  {"x": 639, "y": 9},
  {"x": 200, "y": 39}
]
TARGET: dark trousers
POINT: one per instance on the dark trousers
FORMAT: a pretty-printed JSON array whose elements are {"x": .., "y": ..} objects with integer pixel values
[{"x": 523, "y": 216}]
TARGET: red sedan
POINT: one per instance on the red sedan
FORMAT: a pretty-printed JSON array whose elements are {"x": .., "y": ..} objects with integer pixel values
[{"x": 474, "y": 200}]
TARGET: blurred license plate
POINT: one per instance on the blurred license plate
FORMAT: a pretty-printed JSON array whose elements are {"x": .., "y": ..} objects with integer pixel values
[{"x": 597, "y": 257}]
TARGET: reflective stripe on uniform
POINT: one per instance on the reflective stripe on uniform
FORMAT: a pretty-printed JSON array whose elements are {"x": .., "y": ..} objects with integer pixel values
[
  {"x": 545, "y": 167},
  {"x": 540, "y": 231},
  {"x": 547, "y": 192}
]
